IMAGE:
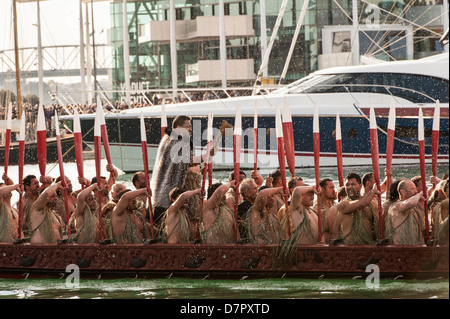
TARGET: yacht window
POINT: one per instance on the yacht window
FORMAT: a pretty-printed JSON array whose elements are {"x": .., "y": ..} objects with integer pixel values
[{"x": 412, "y": 87}]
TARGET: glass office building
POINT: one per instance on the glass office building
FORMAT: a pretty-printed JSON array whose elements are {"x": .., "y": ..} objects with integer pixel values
[{"x": 198, "y": 38}]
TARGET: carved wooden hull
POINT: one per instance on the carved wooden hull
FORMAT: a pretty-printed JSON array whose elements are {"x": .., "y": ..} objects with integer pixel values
[{"x": 220, "y": 261}]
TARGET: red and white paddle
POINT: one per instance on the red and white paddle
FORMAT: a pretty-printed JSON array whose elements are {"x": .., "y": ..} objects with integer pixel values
[
  {"x": 78, "y": 143},
  {"x": 98, "y": 158},
  {"x": 288, "y": 135},
  {"x": 8, "y": 139},
  {"x": 237, "y": 138},
  {"x": 61, "y": 172},
  {"x": 21, "y": 163},
  {"x": 340, "y": 165},
  {"x": 316, "y": 146},
  {"x": 103, "y": 130},
  {"x": 376, "y": 164},
  {"x": 210, "y": 146},
  {"x": 41, "y": 140},
  {"x": 146, "y": 172},
  {"x": 390, "y": 143},
  {"x": 163, "y": 118},
  {"x": 423, "y": 170},
  {"x": 255, "y": 137},
  {"x": 282, "y": 163},
  {"x": 435, "y": 138}
]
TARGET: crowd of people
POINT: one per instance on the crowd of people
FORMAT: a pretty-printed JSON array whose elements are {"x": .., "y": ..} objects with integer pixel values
[{"x": 182, "y": 211}]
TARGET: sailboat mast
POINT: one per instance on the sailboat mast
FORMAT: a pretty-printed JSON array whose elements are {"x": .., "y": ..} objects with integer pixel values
[{"x": 16, "y": 55}]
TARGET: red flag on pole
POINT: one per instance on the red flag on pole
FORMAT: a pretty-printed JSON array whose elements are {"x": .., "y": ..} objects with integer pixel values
[
  {"x": 237, "y": 138},
  {"x": 147, "y": 177},
  {"x": 78, "y": 143},
  {"x": 288, "y": 135},
  {"x": 8, "y": 139},
  {"x": 435, "y": 137},
  {"x": 316, "y": 146},
  {"x": 97, "y": 154},
  {"x": 61, "y": 172},
  {"x": 390, "y": 144},
  {"x": 423, "y": 171},
  {"x": 282, "y": 164},
  {"x": 340, "y": 165},
  {"x": 21, "y": 163},
  {"x": 376, "y": 165},
  {"x": 41, "y": 140}
]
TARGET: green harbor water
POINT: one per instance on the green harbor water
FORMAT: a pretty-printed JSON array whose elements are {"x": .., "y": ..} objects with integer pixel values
[{"x": 179, "y": 288}]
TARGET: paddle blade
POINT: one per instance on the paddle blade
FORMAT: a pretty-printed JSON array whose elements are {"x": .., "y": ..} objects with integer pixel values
[
  {"x": 288, "y": 134},
  {"x": 41, "y": 140},
  {"x": 435, "y": 138},
  {"x": 340, "y": 166}
]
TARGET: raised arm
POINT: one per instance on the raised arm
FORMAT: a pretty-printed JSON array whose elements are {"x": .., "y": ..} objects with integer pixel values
[
  {"x": 8, "y": 181},
  {"x": 409, "y": 203},
  {"x": 259, "y": 180},
  {"x": 112, "y": 175},
  {"x": 347, "y": 207},
  {"x": 216, "y": 197},
  {"x": 388, "y": 178},
  {"x": 5, "y": 190},
  {"x": 122, "y": 204},
  {"x": 81, "y": 198},
  {"x": 261, "y": 198},
  {"x": 299, "y": 191},
  {"x": 41, "y": 201},
  {"x": 45, "y": 181},
  {"x": 179, "y": 202}
]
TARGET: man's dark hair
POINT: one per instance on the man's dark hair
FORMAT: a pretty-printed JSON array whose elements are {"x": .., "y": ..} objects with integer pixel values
[
  {"x": 179, "y": 120},
  {"x": 94, "y": 179},
  {"x": 323, "y": 182},
  {"x": 135, "y": 178},
  {"x": 123, "y": 192},
  {"x": 276, "y": 175},
  {"x": 263, "y": 187},
  {"x": 354, "y": 176},
  {"x": 393, "y": 194},
  {"x": 416, "y": 180},
  {"x": 366, "y": 177},
  {"x": 292, "y": 182},
  {"x": 175, "y": 192},
  {"x": 212, "y": 188},
  {"x": 231, "y": 176},
  {"x": 341, "y": 192},
  {"x": 27, "y": 180}
]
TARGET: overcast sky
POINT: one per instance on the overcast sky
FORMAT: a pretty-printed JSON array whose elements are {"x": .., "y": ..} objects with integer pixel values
[{"x": 59, "y": 19}]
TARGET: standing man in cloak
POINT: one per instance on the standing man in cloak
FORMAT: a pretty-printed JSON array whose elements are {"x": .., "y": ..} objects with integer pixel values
[{"x": 175, "y": 154}]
